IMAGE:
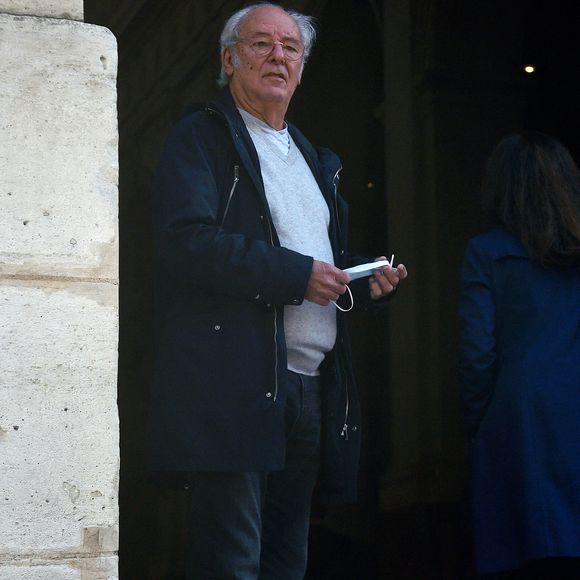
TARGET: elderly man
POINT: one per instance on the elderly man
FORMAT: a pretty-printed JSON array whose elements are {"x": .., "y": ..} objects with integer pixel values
[{"x": 254, "y": 399}]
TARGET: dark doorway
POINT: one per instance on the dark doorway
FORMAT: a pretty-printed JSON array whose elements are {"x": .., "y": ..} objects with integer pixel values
[
  {"x": 553, "y": 48},
  {"x": 460, "y": 65}
]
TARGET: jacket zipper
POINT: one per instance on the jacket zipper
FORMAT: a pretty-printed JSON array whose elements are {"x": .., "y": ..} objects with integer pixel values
[
  {"x": 235, "y": 183},
  {"x": 275, "y": 322},
  {"x": 344, "y": 431},
  {"x": 335, "y": 184},
  {"x": 236, "y": 179}
]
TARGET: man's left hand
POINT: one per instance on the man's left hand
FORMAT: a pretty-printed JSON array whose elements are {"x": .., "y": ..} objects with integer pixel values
[{"x": 385, "y": 280}]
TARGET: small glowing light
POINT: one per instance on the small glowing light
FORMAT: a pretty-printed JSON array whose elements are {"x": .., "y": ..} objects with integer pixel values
[
  {"x": 530, "y": 69},
  {"x": 370, "y": 185}
]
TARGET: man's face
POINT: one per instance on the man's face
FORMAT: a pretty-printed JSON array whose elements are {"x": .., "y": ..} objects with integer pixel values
[{"x": 259, "y": 80}]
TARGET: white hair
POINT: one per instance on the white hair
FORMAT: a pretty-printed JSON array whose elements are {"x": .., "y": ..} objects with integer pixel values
[{"x": 231, "y": 34}]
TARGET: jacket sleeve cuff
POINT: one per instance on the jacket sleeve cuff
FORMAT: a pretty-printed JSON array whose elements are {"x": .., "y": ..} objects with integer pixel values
[{"x": 290, "y": 280}]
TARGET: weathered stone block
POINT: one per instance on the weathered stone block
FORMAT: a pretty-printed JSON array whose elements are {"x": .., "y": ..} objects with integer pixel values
[
  {"x": 71, "y": 9},
  {"x": 79, "y": 569},
  {"x": 58, "y": 149},
  {"x": 58, "y": 419},
  {"x": 59, "y": 444}
]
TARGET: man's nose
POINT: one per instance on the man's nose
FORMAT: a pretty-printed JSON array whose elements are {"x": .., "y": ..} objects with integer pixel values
[{"x": 277, "y": 53}]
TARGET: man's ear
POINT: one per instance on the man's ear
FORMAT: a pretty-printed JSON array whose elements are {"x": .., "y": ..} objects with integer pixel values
[{"x": 227, "y": 61}]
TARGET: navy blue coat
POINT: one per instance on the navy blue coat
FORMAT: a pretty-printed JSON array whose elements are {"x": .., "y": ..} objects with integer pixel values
[
  {"x": 519, "y": 370},
  {"x": 221, "y": 283}
]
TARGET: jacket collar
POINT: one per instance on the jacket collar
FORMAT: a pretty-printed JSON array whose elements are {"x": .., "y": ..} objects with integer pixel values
[
  {"x": 315, "y": 156},
  {"x": 224, "y": 104},
  {"x": 324, "y": 164}
]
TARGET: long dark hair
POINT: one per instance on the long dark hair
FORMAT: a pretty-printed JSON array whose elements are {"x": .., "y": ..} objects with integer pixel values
[{"x": 532, "y": 188}]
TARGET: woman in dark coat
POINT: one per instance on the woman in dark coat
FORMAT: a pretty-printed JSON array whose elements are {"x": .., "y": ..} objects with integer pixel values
[{"x": 519, "y": 363}]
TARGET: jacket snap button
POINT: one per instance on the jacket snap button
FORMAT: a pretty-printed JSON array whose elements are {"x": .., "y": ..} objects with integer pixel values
[
  {"x": 217, "y": 327},
  {"x": 354, "y": 428},
  {"x": 269, "y": 305},
  {"x": 342, "y": 252},
  {"x": 257, "y": 297},
  {"x": 268, "y": 395}
]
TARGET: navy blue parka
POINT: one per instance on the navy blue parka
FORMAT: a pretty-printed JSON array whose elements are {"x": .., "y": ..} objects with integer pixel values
[
  {"x": 221, "y": 283},
  {"x": 519, "y": 371}
]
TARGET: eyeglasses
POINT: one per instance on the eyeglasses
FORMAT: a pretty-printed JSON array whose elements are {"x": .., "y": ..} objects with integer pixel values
[{"x": 292, "y": 50}]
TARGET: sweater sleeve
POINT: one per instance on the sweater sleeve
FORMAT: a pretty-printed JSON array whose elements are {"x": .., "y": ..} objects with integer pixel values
[
  {"x": 190, "y": 244},
  {"x": 477, "y": 343}
]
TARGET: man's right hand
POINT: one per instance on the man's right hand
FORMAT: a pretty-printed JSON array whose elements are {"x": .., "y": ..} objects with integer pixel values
[{"x": 326, "y": 283}]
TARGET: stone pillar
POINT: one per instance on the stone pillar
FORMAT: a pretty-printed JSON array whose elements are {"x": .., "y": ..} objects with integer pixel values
[{"x": 59, "y": 452}]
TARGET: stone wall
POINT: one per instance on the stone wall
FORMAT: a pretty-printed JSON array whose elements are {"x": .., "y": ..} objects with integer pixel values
[
  {"x": 70, "y": 9},
  {"x": 59, "y": 455}
]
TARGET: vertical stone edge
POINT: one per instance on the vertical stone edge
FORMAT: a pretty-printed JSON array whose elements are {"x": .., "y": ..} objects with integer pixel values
[{"x": 95, "y": 558}]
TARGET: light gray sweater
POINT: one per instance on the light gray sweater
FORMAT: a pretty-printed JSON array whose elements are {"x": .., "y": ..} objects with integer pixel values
[{"x": 301, "y": 218}]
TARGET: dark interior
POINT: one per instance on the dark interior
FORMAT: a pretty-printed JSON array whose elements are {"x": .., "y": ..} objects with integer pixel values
[{"x": 412, "y": 94}]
